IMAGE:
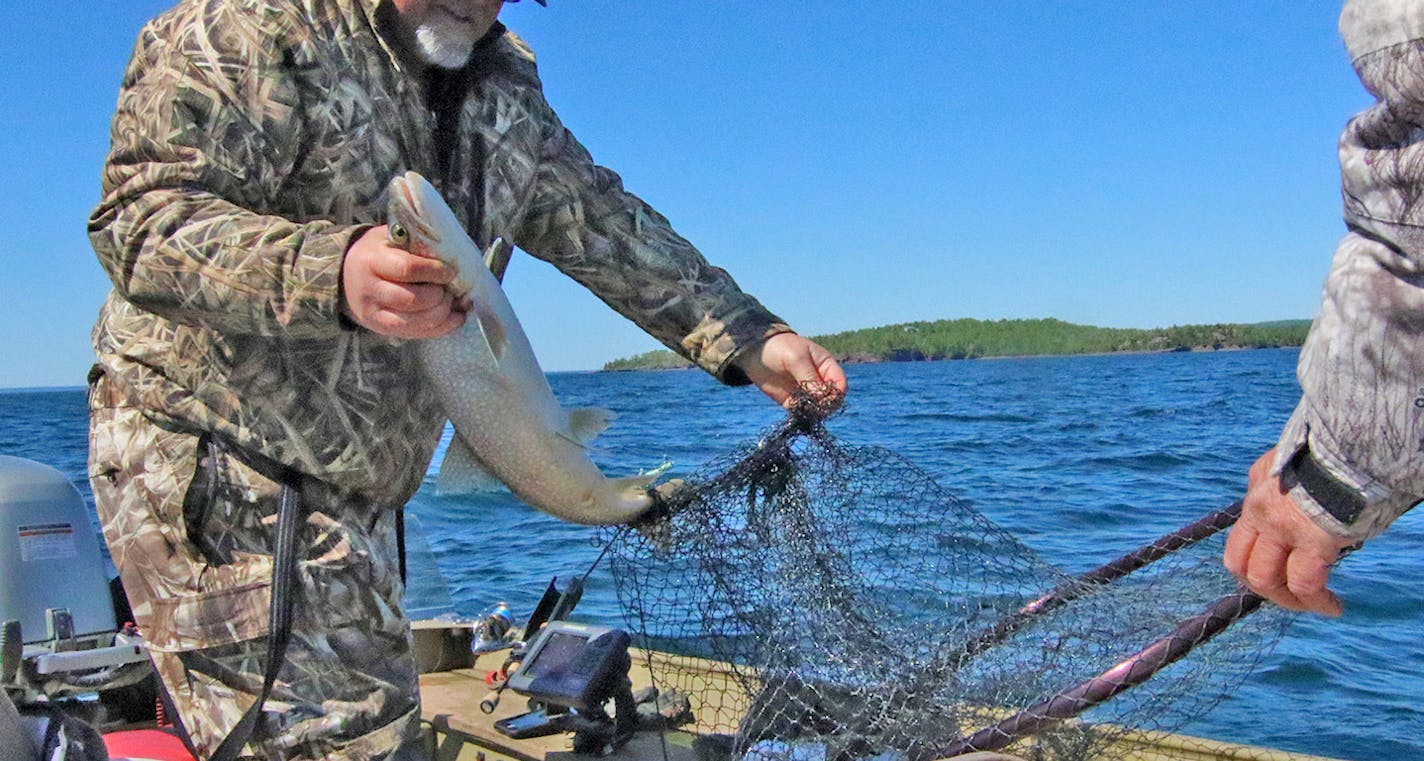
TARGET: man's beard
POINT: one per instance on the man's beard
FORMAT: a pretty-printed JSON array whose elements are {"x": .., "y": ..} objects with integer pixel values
[{"x": 445, "y": 45}]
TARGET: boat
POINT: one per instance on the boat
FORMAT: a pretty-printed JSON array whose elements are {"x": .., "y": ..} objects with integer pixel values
[{"x": 87, "y": 658}]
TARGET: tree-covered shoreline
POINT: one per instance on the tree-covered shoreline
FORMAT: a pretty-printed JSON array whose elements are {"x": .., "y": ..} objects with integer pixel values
[{"x": 981, "y": 339}]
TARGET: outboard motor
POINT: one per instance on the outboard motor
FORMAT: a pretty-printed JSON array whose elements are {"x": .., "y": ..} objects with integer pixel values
[{"x": 57, "y": 631}]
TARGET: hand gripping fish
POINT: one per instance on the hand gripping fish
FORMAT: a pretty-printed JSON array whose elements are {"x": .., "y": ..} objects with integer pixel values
[{"x": 508, "y": 425}]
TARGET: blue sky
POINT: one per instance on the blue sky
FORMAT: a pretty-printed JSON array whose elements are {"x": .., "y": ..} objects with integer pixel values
[{"x": 852, "y": 164}]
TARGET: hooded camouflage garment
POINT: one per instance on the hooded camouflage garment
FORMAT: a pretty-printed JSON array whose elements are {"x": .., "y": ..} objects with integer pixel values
[
  {"x": 253, "y": 142},
  {"x": 1361, "y": 414}
]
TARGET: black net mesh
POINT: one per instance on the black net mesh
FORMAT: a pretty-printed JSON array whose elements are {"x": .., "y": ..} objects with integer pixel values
[{"x": 816, "y": 599}]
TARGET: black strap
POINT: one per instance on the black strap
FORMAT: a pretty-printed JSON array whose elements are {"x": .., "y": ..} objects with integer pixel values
[
  {"x": 400, "y": 542},
  {"x": 1344, "y": 503},
  {"x": 284, "y": 571}
]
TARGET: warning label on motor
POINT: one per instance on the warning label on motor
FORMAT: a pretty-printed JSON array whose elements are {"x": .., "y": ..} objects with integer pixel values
[{"x": 47, "y": 541}]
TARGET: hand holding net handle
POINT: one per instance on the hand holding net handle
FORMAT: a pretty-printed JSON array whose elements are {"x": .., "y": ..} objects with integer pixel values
[{"x": 1131, "y": 671}]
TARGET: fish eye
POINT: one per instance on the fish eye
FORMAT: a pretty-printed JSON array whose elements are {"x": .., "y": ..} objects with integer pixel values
[{"x": 398, "y": 233}]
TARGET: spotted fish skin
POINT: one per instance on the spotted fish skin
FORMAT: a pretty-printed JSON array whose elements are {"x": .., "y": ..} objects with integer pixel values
[{"x": 508, "y": 425}]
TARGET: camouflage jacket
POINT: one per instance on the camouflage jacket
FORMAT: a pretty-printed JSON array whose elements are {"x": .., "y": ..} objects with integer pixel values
[
  {"x": 253, "y": 141},
  {"x": 1361, "y": 413}
]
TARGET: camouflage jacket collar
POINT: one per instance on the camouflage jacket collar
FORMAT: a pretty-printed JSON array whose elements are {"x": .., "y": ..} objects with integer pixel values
[{"x": 381, "y": 16}]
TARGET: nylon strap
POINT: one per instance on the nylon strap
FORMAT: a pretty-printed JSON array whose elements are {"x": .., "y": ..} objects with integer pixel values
[
  {"x": 1342, "y": 502},
  {"x": 284, "y": 571}
]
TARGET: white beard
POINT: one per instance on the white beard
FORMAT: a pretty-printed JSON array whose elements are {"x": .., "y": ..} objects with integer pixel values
[{"x": 446, "y": 45}]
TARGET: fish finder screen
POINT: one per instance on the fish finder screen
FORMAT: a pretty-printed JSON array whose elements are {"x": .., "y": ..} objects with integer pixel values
[{"x": 557, "y": 651}]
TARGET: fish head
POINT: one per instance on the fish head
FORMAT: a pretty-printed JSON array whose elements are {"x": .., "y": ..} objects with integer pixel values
[
  {"x": 410, "y": 225},
  {"x": 419, "y": 221}
]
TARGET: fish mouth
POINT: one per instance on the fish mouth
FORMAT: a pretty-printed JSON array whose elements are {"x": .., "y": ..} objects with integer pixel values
[{"x": 408, "y": 201}]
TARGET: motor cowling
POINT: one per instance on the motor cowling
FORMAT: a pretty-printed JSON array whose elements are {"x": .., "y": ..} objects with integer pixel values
[
  {"x": 49, "y": 554},
  {"x": 58, "y": 636}
]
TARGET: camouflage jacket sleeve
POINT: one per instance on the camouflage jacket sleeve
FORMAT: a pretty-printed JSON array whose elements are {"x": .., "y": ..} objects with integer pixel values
[
  {"x": 1360, "y": 420},
  {"x": 206, "y": 130},
  {"x": 582, "y": 220}
]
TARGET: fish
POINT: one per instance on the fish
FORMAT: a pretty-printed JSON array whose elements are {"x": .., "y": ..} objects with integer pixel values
[{"x": 509, "y": 427}]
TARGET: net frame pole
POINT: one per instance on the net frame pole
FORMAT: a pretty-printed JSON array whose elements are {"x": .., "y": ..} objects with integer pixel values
[
  {"x": 1193, "y": 532},
  {"x": 1127, "y": 674}
]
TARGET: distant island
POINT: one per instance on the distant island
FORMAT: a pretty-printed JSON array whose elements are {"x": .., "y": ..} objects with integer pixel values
[{"x": 975, "y": 339}]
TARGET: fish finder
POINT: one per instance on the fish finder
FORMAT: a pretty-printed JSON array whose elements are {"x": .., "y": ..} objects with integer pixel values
[
  {"x": 579, "y": 667},
  {"x": 573, "y": 665}
]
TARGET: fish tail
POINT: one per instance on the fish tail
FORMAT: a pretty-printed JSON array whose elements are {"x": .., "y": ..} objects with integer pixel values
[{"x": 633, "y": 490}]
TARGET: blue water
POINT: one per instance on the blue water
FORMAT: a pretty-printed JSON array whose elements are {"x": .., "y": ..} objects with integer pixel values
[{"x": 1082, "y": 457}]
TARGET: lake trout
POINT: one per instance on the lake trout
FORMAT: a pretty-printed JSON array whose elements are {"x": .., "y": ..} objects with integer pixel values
[{"x": 508, "y": 425}]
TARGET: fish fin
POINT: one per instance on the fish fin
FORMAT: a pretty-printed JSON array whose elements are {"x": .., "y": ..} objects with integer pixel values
[
  {"x": 587, "y": 422},
  {"x": 496, "y": 339},
  {"x": 461, "y": 472}
]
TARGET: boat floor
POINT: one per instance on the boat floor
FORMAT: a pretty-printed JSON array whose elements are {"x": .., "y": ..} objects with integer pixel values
[{"x": 451, "y": 702}]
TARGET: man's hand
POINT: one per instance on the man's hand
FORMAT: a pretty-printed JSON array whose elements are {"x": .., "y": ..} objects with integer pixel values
[
  {"x": 391, "y": 291},
  {"x": 1278, "y": 551},
  {"x": 782, "y": 363}
]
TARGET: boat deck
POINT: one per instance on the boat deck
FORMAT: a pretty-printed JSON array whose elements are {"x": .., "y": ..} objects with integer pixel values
[{"x": 451, "y": 702}]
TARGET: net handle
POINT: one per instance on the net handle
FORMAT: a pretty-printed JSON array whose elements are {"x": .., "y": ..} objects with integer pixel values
[
  {"x": 1127, "y": 674},
  {"x": 1137, "y": 668},
  {"x": 1151, "y": 552}
]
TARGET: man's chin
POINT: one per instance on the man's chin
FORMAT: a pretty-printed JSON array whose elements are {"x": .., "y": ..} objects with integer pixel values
[{"x": 440, "y": 45}]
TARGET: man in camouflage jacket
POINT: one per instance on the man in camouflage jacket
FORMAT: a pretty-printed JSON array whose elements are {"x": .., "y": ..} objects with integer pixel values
[
  {"x": 256, "y": 332},
  {"x": 1351, "y": 457}
]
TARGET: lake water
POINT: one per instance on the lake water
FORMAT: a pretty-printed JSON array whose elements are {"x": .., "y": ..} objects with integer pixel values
[{"x": 1083, "y": 458}]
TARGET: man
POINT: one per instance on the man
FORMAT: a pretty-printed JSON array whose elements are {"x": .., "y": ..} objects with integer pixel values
[
  {"x": 1351, "y": 458},
  {"x": 255, "y": 344}
]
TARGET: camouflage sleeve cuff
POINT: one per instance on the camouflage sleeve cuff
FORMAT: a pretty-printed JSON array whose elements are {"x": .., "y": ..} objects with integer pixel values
[
  {"x": 324, "y": 291},
  {"x": 720, "y": 357},
  {"x": 1338, "y": 496},
  {"x": 343, "y": 310}
]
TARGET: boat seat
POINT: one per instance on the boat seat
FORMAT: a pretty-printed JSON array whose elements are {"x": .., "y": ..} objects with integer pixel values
[
  {"x": 146, "y": 744},
  {"x": 16, "y": 736}
]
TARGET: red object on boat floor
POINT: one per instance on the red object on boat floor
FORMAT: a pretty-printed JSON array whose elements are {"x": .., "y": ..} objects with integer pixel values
[{"x": 146, "y": 745}]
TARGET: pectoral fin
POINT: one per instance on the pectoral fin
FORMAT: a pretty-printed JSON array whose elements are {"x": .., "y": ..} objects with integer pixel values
[
  {"x": 461, "y": 472},
  {"x": 587, "y": 422},
  {"x": 496, "y": 338}
]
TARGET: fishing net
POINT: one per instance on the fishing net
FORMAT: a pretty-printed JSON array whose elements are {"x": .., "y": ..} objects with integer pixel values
[{"x": 817, "y": 600}]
